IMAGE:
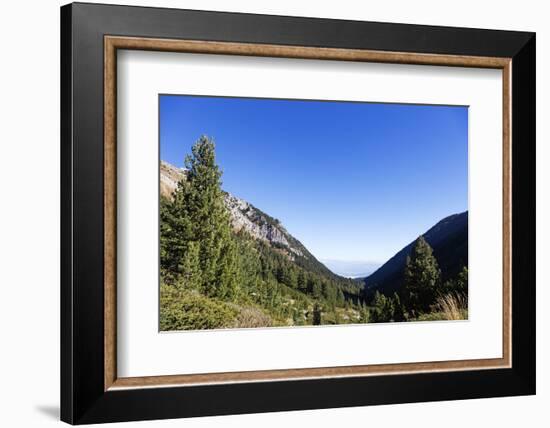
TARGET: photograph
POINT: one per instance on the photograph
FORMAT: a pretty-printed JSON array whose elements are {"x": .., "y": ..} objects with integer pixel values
[{"x": 289, "y": 213}]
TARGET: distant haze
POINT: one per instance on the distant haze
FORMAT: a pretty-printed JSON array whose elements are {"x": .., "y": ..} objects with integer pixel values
[{"x": 351, "y": 268}]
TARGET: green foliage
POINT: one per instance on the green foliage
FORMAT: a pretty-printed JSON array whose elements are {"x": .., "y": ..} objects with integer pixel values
[
  {"x": 439, "y": 316},
  {"x": 398, "y": 309},
  {"x": 386, "y": 309},
  {"x": 458, "y": 285},
  {"x": 340, "y": 298},
  {"x": 432, "y": 316},
  {"x": 462, "y": 280},
  {"x": 217, "y": 277},
  {"x": 276, "y": 266},
  {"x": 175, "y": 232},
  {"x": 225, "y": 282},
  {"x": 364, "y": 314},
  {"x": 189, "y": 266},
  {"x": 196, "y": 241},
  {"x": 189, "y": 310},
  {"x": 421, "y": 278},
  {"x": 301, "y": 283},
  {"x": 317, "y": 314}
]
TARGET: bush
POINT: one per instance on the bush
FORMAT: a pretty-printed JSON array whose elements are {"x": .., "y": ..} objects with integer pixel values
[
  {"x": 433, "y": 316},
  {"x": 188, "y": 310},
  {"x": 250, "y": 317}
]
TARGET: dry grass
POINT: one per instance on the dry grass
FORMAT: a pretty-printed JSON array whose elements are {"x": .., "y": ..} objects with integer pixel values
[
  {"x": 249, "y": 317},
  {"x": 452, "y": 306}
]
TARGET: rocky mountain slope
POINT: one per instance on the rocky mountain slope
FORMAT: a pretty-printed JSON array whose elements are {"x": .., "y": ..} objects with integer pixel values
[
  {"x": 449, "y": 240},
  {"x": 245, "y": 216}
]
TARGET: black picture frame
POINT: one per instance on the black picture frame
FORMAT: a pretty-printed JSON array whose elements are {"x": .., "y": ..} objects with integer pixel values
[{"x": 83, "y": 398}]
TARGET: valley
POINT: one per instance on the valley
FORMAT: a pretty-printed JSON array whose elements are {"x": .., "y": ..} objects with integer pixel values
[{"x": 227, "y": 264}]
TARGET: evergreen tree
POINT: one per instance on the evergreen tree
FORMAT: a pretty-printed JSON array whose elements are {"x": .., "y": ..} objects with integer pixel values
[
  {"x": 317, "y": 290},
  {"x": 292, "y": 278},
  {"x": 422, "y": 278},
  {"x": 462, "y": 281},
  {"x": 398, "y": 314},
  {"x": 310, "y": 284},
  {"x": 189, "y": 266},
  {"x": 457, "y": 285},
  {"x": 383, "y": 308},
  {"x": 364, "y": 314},
  {"x": 301, "y": 281},
  {"x": 198, "y": 214},
  {"x": 329, "y": 292},
  {"x": 317, "y": 314},
  {"x": 175, "y": 232},
  {"x": 250, "y": 264},
  {"x": 341, "y": 299},
  {"x": 227, "y": 278}
]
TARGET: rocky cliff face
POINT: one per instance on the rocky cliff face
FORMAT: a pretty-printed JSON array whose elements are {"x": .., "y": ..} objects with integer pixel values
[
  {"x": 169, "y": 177},
  {"x": 244, "y": 216}
]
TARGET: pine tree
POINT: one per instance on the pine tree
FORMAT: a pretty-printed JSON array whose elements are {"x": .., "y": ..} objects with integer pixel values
[
  {"x": 227, "y": 286},
  {"x": 310, "y": 284},
  {"x": 250, "y": 264},
  {"x": 364, "y": 314},
  {"x": 462, "y": 281},
  {"x": 317, "y": 290},
  {"x": 422, "y": 278},
  {"x": 398, "y": 314},
  {"x": 340, "y": 298},
  {"x": 383, "y": 308},
  {"x": 317, "y": 314},
  {"x": 301, "y": 281},
  {"x": 189, "y": 266},
  {"x": 457, "y": 285},
  {"x": 210, "y": 217},
  {"x": 175, "y": 232},
  {"x": 198, "y": 214},
  {"x": 328, "y": 292},
  {"x": 292, "y": 278}
]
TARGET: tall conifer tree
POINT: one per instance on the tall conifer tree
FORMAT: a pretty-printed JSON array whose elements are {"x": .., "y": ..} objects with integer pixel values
[
  {"x": 422, "y": 278},
  {"x": 196, "y": 226}
]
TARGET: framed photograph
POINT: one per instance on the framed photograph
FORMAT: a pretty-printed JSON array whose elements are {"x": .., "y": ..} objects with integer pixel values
[{"x": 266, "y": 213}]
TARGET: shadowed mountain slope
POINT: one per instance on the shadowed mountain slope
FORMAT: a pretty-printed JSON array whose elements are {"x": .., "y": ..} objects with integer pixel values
[{"x": 449, "y": 240}]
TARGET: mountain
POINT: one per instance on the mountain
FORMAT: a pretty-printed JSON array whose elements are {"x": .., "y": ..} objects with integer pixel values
[
  {"x": 449, "y": 241},
  {"x": 261, "y": 226}
]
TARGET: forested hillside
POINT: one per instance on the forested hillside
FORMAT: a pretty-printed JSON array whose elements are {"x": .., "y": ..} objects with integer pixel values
[
  {"x": 225, "y": 263},
  {"x": 449, "y": 241}
]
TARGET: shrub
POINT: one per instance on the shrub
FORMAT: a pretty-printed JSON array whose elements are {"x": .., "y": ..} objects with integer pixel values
[
  {"x": 188, "y": 310},
  {"x": 433, "y": 316},
  {"x": 250, "y": 317}
]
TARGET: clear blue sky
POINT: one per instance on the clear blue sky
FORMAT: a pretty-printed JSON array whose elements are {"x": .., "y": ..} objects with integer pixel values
[{"x": 351, "y": 181}]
